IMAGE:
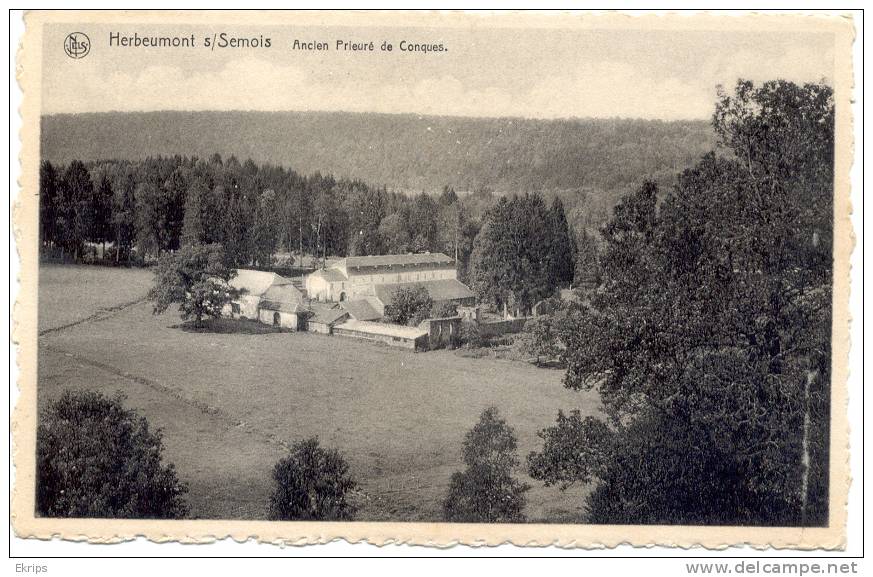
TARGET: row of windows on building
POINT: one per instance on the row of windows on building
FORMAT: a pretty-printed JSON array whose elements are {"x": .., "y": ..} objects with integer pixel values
[{"x": 409, "y": 277}]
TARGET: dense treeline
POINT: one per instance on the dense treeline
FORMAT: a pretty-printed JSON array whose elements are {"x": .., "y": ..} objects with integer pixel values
[
  {"x": 405, "y": 152},
  {"x": 159, "y": 204},
  {"x": 144, "y": 209}
]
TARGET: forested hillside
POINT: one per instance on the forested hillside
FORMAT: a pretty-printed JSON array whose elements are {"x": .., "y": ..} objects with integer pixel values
[{"x": 408, "y": 153}]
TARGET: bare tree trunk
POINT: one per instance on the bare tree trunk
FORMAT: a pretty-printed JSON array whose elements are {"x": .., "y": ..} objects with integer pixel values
[
  {"x": 318, "y": 240},
  {"x": 805, "y": 459}
]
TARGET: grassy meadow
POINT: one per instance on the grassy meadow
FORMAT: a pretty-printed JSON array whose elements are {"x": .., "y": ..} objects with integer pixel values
[{"x": 229, "y": 405}]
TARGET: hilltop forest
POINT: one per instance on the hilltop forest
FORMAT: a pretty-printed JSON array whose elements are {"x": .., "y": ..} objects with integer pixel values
[
  {"x": 337, "y": 183},
  {"x": 403, "y": 152},
  {"x": 587, "y": 161}
]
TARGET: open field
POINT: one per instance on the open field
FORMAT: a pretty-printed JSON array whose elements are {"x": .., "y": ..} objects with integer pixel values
[
  {"x": 72, "y": 293},
  {"x": 230, "y": 404}
]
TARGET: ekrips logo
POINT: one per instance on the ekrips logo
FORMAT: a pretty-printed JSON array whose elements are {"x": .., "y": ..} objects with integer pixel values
[{"x": 77, "y": 45}]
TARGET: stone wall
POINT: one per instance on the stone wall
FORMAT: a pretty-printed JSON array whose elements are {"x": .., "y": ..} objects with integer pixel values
[{"x": 502, "y": 327}]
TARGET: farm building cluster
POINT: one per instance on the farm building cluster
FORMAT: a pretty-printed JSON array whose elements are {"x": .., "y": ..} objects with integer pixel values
[
  {"x": 349, "y": 297},
  {"x": 373, "y": 280}
]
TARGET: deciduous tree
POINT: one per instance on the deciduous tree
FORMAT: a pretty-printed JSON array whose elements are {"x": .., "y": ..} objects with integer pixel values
[
  {"x": 709, "y": 338},
  {"x": 196, "y": 277},
  {"x": 97, "y": 459},
  {"x": 312, "y": 484},
  {"x": 486, "y": 492},
  {"x": 408, "y": 306}
]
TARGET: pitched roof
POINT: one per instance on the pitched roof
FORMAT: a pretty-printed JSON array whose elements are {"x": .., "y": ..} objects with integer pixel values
[
  {"x": 384, "y": 329},
  {"x": 256, "y": 282},
  {"x": 327, "y": 316},
  {"x": 283, "y": 297},
  {"x": 284, "y": 307},
  {"x": 361, "y": 310},
  {"x": 330, "y": 274},
  {"x": 396, "y": 260},
  {"x": 439, "y": 290}
]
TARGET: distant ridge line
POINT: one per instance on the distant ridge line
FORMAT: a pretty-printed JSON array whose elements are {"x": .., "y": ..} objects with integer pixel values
[{"x": 406, "y": 152}]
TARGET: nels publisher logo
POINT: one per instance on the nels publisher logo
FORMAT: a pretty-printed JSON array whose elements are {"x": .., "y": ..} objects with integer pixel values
[{"x": 77, "y": 45}]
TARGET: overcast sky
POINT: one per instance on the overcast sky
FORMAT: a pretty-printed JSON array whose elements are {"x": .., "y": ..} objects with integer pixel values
[{"x": 485, "y": 72}]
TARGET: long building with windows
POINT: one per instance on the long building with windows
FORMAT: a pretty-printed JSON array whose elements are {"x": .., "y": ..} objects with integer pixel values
[{"x": 374, "y": 279}]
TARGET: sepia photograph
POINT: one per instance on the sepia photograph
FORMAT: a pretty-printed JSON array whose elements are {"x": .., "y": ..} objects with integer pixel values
[{"x": 439, "y": 277}]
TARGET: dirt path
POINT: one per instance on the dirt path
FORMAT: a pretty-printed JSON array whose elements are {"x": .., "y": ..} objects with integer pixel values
[
  {"x": 174, "y": 394},
  {"x": 100, "y": 315}
]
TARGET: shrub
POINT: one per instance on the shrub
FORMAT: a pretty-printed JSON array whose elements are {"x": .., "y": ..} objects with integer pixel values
[
  {"x": 486, "y": 492},
  {"x": 444, "y": 310},
  {"x": 311, "y": 484},
  {"x": 409, "y": 306},
  {"x": 470, "y": 335},
  {"x": 542, "y": 339},
  {"x": 97, "y": 459}
]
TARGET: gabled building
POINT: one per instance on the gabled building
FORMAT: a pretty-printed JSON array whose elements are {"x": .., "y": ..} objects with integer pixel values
[
  {"x": 328, "y": 284},
  {"x": 375, "y": 278},
  {"x": 267, "y": 297},
  {"x": 355, "y": 276},
  {"x": 324, "y": 318},
  {"x": 282, "y": 305},
  {"x": 413, "y": 338},
  {"x": 365, "y": 309}
]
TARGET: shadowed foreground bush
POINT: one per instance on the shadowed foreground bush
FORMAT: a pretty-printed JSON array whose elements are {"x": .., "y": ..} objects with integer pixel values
[
  {"x": 97, "y": 459},
  {"x": 311, "y": 484},
  {"x": 486, "y": 492}
]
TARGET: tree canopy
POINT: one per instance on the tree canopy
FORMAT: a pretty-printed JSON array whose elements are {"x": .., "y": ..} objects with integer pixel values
[
  {"x": 522, "y": 253},
  {"x": 709, "y": 338},
  {"x": 197, "y": 278},
  {"x": 409, "y": 306},
  {"x": 311, "y": 484},
  {"x": 97, "y": 459},
  {"x": 486, "y": 492},
  {"x": 604, "y": 156}
]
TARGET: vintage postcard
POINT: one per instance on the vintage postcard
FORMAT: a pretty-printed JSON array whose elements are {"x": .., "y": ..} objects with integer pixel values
[{"x": 434, "y": 277}]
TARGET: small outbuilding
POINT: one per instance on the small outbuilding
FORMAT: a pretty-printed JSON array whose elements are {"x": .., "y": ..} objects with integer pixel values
[
  {"x": 324, "y": 319},
  {"x": 282, "y": 306},
  {"x": 362, "y": 309},
  {"x": 393, "y": 335},
  {"x": 267, "y": 297}
]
